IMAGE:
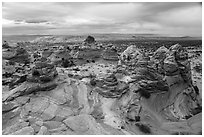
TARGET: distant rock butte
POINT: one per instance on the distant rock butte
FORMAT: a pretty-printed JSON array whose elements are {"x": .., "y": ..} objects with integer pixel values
[{"x": 89, "y": 40}]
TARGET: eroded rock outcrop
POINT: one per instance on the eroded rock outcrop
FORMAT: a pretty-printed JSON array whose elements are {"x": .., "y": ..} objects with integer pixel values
[
  {"x": 157, "y": 59},
  {"x": 169, "y": 95},
  {"x": 110, "y": 87}
]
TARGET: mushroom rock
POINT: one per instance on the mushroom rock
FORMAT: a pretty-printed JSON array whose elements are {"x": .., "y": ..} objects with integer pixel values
[
  {"x": 110, "y": 87},
  {"x": 110, "y": 53}
]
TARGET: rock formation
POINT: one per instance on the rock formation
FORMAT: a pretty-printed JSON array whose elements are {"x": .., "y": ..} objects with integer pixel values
[
  {"x": 110, "y": 87},
  {"x": 89, "y": 40}
]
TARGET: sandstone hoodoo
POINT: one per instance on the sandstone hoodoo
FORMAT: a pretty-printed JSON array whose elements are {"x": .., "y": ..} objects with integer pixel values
[
  {"x": 129, "y": 58},
  {"x": 110, "y": 87},
  {"x": 158, "y": 59},
  {"x": 19, "y": 55}
]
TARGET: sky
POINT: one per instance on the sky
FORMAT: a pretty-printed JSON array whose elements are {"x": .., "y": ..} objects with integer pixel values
[{"x": 64, "y": 18}]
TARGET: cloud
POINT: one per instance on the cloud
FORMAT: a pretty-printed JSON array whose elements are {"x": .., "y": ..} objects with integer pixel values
[{"x": 67, "y": 18}]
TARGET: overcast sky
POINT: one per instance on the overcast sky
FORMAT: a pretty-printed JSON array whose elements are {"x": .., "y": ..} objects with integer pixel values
[{"x": 173, "y": 19}]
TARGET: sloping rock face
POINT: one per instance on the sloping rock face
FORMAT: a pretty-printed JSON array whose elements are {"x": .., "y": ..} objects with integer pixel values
[
  {"x": 110, "y": 53},
  {"x": 62, "y": 110}
]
